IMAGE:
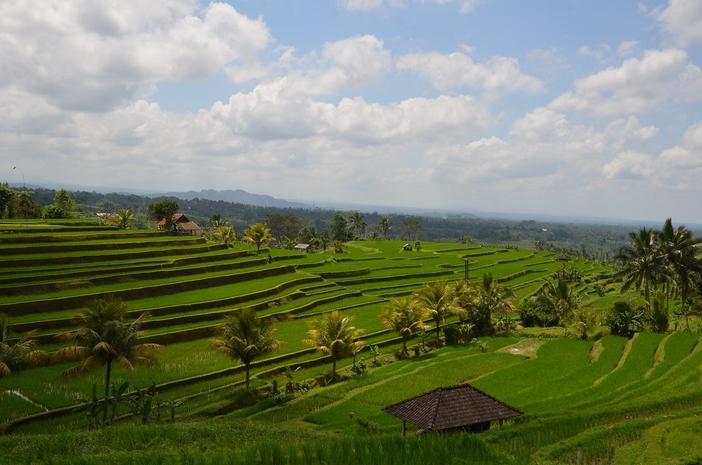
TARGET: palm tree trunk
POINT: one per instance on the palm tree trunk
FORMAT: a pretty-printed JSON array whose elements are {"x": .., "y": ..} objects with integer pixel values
[
  {"x": 248, "y": 371},
  {"x": 438, "y": 334},
  {"x": 334, "y": 367},
  {"x": 105, "y": 405},
  {"x": 404, "y": 346}
]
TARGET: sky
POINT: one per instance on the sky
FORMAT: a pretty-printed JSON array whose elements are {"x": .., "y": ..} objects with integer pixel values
[{"x": 588, "y": 108}]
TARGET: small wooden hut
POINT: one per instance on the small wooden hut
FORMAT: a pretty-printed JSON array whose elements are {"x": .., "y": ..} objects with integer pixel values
[{"x": 455, "y": 408}]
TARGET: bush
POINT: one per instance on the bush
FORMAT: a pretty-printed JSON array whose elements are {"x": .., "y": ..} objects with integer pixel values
[
  {"x": 658, "y": 318},
  {"x": 52, "y": 211},
  {"x": 625, "y": 320},
  {"x": 534, "y": 314}
]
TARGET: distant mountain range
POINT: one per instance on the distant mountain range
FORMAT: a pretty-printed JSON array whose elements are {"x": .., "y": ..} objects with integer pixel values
[{"x": 234, "y": 196}]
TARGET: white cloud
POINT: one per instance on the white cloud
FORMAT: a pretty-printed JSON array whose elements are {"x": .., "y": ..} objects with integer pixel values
[
  {"x": 456, "y": 70},
  {"x": 629, "y": 165},
  {"x": 638, "y": 85},
  {"x": 682, "y": 21},
  {"x": 81, "y": 56},
  {"x": 628, "y": 47}
]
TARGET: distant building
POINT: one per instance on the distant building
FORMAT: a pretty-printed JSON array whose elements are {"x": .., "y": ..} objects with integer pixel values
[
  {"x": 183, "y": 225},
  {"x": 303, "y": 248}
]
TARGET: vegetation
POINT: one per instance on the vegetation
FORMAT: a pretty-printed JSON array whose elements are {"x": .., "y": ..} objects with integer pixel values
[
  {"x": 106, "y": 337},
  {"x": 334, "y": 336},
  {"x": 258, "y": 235},
  {"x": 19, "y": 354},
  {"x": 406, "y": 318},
  {"x": 245, "y": 337},
  {"x": 164, "y": 210}
]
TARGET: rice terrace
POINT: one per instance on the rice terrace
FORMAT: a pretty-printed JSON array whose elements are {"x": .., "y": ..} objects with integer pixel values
[{"x": 350, "y": 232}]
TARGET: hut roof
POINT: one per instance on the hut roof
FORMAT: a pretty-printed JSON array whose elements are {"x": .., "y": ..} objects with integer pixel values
[
  {"x": 176, "y": 218},
  {"x": 451, "y": 407},
  {"x": 302, "y": 246},
  {"x": 188, "y": 226}
]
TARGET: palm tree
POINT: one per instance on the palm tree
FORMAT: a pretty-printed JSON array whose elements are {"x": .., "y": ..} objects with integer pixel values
[
  {"x": 438, "y": 301},
  {"x": 642, "y": 262},
  {"x": 124, "y": 218},
  {"x": 559, "y": 299},
  {"x": 333, "y": 336},
  {"x": 404, "y": 317},
  {"x": 479, "y": 303},
  {"x": 246, "y": 337},
  {"x": 225, "y": 234},
  {"x": 105, "y": 337},
  {"x": 679, "y": 250},
  {"x": 384, "y": 227},
  {"x": 18, "y": 355},
  {"x": 358, "y": 224},
  {"x": 258, "y": 234}
]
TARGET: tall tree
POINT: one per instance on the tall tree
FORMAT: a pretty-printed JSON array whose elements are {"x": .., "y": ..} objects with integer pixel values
[
  {"x": 17, "y": 355},
  {"x": 384, "y": 227},
  {"x": 333, "y": 336},
  {"x": 24, "y": 206},
  {"x": 642, "y": 264},
  {"x": 284, "y": 226},
  {"x": 64, "y": 202},
  {"x": 438, "y": 301},
  {"x": 411, "y": 227},
  {"x": 6, "y": 196},
  {"x": 339, "y": 228},
  {"x": 681, "y": 254},
  {"x": 358, "y": 225},
  {"x": 164, "y": 210},
  {"x": 258, "y": 235},
  {"x": 245, "y": 337},
  {"x": 106, "y": 338},
  {"x": 404, "y": 317}
]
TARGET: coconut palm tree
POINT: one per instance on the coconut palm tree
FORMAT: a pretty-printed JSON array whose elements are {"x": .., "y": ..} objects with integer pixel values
[
  {"x": 225, "y": 234},
  {"x": 258, "y": 235},
  {"x": 404, "y": 317},
  {"x": 333, "y": 336},
  {"x": 245, "y": 337},
  {"x": 106, "y": 338},
  {"x": 642, "y": 262},
  {"x": 680, "y": 252},
  {"x": 124, "y": 218},
  {"x": 17, "y": 355},
  {"x": 558, "y": 298},
  {"x": 479, "y": 302},
  {"x": 438, "y": 301},
  {"x": 358, "y": 224}
]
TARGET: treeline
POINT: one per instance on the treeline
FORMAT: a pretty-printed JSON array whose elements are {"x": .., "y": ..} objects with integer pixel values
[{"x": 596, "y": 241}]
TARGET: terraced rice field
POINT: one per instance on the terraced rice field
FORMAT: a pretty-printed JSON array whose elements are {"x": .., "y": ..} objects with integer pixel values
[{"x": 186, "y": 286}]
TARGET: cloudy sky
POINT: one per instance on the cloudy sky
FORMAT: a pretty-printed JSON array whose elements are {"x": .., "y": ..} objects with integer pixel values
[{"x": 582, "y": 107}]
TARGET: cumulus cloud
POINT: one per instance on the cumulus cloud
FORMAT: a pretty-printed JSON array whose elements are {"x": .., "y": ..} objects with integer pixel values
[
  {"x": 638, "y": 85},
  {"x": 79, "y": 55},
  {"x": 682, "y": 21},
  {"x": 456, "y": 70}
]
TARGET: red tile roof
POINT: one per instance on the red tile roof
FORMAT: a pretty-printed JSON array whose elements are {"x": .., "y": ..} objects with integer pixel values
[
  {"x": 177, "y": 218},
  {"x": 451, "y": 407}
]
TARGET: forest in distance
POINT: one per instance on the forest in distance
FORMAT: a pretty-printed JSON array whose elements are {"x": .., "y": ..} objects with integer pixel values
[{"x": 600, "y": 241}]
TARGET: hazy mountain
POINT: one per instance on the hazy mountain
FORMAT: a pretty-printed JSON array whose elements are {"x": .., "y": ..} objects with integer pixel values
[{"x": 234, "y": 196}]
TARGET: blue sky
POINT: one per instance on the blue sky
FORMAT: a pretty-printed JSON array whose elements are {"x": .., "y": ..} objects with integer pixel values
[{"x": 583, "y": 108}]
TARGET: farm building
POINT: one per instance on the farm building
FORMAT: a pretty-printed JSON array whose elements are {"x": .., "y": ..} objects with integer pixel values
[
  {"x": 183, "y": 225},
  {"x": 303, "y": 248},
  {"x": 455, "y": 408}
]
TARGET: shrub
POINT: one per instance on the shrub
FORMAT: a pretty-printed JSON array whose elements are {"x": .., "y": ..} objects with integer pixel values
[
  {"x": 625, "y": 320},
  {"x": 532, "y": 313}
]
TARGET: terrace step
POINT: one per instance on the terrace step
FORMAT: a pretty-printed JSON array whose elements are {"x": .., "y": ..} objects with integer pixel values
[
  {"x": 62, "y": 260},
  {"x": 64, "y": 303},
  {"x": 85, "y": 247},
  {"x": 34, "y": 238}
]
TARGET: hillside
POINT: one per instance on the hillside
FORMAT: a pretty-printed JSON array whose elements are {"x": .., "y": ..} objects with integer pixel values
[{"x": 610, "y": 400}]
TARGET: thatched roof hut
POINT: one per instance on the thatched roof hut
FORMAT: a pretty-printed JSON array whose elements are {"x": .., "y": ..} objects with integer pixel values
[{"x": 461, "y": 407}]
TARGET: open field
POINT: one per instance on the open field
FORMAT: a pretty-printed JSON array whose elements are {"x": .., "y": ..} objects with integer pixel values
[{"x": 572, "y": 392}]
